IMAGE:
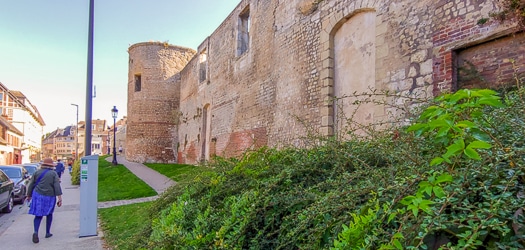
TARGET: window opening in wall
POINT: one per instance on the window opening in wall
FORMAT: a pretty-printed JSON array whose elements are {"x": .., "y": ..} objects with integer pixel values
[
  {"x": 243, "y": 38},
  {"x": 205, "y": 132},
  {"x": 138, "y": 83},
  {"x": 203, "y": 66}
]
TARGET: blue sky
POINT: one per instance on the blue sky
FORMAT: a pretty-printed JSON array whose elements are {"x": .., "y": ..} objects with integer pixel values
[{"x": 43, "y": 48}]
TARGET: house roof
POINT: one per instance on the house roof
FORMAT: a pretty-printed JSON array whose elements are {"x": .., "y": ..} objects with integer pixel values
[
  {"x": 10, "y": 126},
  {"x": 32, "y": 108},
  {"x": 66, "y": 131}
]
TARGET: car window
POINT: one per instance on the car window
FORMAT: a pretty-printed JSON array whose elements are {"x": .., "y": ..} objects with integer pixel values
[
  {"x": 12, "y": 172},
  {"x": 30, "y": 169},
  {"x": 3, "y": 177}
]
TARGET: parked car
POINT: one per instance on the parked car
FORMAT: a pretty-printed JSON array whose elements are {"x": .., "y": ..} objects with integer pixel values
[
  {"x": 19, "y": 176},
  {"x": 31, "y": 168},
  {"x": 7, "y": 195}
]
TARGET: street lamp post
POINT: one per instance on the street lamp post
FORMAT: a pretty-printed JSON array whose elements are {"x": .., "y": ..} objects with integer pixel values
[
  {"x": 114, "y": 113},
  {"x": 76, "y": 134},
  {"x": 108, "y": 143}
]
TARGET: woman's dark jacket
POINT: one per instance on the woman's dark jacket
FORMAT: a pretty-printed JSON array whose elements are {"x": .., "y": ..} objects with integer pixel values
[{"x": 49, "y": 185}]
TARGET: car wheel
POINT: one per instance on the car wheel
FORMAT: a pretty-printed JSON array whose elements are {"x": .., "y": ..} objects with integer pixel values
[
  {"x": 10, "y": 205},
  {"x": 21, "y": 201}
]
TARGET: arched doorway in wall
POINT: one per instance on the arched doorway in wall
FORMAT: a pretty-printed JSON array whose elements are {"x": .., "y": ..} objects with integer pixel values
[
  {"x": 205, "y": 133},
  {"x": 354, "y": 51}
]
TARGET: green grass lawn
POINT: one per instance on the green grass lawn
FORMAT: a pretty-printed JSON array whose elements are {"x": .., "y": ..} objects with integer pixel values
[
  {"x": 118, "y": 183},
  {"x": 121, "y": 223},
  {"x": 178, "y": 172}
]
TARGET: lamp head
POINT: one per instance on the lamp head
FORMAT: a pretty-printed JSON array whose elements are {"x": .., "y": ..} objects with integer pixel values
[{"x": 114, "y": 112}]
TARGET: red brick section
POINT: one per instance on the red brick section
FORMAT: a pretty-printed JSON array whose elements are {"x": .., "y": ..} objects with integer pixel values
[
  {"x": 453, "y": 30},
  {"x": 491, "y": 59},
  {"x": 232, "y": 145},
  {"x": 239, "y": 142},
  {"x": 191, "y": 154},
  {"x": 496, "y": 63},
  {"x": 180, "y": 159}
]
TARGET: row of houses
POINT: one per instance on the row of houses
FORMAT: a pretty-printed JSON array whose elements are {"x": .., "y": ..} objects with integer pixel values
[
  {"x": 68, "y": 142},
  {"x": 22, "y": 137},
  {"x": 21, "y": 128}
]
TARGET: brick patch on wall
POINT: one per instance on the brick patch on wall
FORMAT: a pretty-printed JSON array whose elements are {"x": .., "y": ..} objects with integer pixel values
[{"x": 492, "y": 64}]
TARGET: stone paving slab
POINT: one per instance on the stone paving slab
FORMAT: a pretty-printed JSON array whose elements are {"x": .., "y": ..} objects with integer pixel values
[{"x": 107, "y": 204}]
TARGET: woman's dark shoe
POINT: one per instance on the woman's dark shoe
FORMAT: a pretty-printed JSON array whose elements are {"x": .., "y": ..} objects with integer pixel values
[
  {"x": 35, "y": 238},
  {"x": 48, "y": 235}
]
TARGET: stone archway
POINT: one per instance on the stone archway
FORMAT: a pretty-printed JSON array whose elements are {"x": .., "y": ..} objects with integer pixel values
[
  {"x": 354, "y": 72},
  {"x": 330, "y": 27}
]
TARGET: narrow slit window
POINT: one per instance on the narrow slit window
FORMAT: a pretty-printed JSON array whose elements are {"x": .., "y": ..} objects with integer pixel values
[
  {"x": 203, "y": 66},
  {"x": 243, "y": 39},
  {"x": 138, "y": 83}
]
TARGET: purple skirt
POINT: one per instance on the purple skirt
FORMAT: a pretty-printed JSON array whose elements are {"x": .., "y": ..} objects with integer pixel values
[{"x": 42, "y": 205}]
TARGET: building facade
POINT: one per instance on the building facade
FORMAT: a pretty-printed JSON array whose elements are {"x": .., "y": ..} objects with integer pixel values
[
  {"x": 99, "y": 137},
  {"x": 48, "y": 144},
  {"x": 64, "y": 143},
  {"x": 10, "y": 143},
  {"x": 273, "y": 66},
  {"x": 24, "y": 116}
]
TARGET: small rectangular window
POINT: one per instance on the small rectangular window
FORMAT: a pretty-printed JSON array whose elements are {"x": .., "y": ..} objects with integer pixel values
[
  {"x": 138, "y": 83},
  {"x": 243, "y": 35}
]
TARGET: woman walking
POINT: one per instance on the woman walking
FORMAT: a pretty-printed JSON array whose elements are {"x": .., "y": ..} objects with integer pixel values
[{"x": 43, "y": 192}]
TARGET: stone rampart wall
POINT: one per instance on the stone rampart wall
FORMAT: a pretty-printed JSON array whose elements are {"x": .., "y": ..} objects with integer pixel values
[{"x": 277, "y": 87}]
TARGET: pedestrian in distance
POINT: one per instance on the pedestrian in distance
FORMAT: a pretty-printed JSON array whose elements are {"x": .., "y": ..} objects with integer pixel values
[
  {"x": 43, "y": 193},
  {"x": 120, "y": 150},
  {"x": 59, "y": 168},
  {"x": 70, "y": 166}
]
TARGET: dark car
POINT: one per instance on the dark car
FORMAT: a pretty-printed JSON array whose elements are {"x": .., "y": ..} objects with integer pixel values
[
  {"x": 31, "y": 168},
  {"x": 19, "y": 176},
  {"x": 7, "y": 196}
]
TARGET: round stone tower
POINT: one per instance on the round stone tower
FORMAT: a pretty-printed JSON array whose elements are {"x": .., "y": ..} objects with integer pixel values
[{"x": 153, "y": 101}]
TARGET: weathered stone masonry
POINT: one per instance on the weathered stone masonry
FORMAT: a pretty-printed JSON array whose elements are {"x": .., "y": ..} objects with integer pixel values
[
  {"x": 153, "y": 100},
  {"x": 273, "y": 66}
]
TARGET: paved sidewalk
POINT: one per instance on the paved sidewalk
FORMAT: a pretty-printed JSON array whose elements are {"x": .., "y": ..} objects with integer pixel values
[
  {"x": 153, "y": 178},
  {"x": 65, "y": 227},
  {"x": 66, "y": 219}
]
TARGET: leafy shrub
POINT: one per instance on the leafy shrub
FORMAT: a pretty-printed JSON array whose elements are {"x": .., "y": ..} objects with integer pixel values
[
  {"x": 419, "y": 189},
  {"x": 75, "y": 173}
]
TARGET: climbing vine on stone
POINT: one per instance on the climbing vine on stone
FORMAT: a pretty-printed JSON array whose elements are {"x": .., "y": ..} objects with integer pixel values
[{"x": 511, "y": 10}]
